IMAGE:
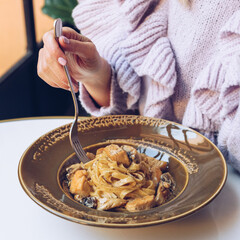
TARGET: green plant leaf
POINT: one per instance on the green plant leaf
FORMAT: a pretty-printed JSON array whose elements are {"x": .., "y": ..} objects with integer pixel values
[{"x": 60, "y": 9}]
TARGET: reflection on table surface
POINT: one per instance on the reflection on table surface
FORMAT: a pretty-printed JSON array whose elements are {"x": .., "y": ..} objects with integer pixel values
[{"x": 23, "y": 219}]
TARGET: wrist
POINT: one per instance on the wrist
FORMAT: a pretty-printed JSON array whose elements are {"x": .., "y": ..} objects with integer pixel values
[{"x": 98, "y": 84}]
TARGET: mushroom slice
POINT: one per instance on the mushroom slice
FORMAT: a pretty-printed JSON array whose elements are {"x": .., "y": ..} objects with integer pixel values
[
  {"x": 166, "y": 185},
  {"x": 162, "y": 194},
  {"x": 168, "y": 180},
  {"x": 132, "y": 153},
  {"x": 106, "y": 204},
  {"x": 87, "y": 201},
  {"x": 139, "y": 204}
]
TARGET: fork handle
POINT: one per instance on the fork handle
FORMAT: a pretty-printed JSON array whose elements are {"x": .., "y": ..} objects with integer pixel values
[
  {"x": 57, "y": 34},
  {"x": 72, "y": 91}
]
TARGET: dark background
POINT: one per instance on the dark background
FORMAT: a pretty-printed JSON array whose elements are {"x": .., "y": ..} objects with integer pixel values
[{"x": 24, "y": 94}]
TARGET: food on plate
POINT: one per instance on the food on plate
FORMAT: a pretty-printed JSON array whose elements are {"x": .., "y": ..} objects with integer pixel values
[{"x": 120, "y": 178}]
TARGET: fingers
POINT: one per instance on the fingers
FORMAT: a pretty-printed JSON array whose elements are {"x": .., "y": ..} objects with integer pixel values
[
  {"x": 75, "y": 43},
  {"x": 52, "y": 45},
  {"x": 86, "y": 50},
  {"x": 71, "y": 41},
  {"x": 52, "y": 72},
  {"x": 52, "y": 58},
  {"x": 69, "y": 36},
  {"x": 72, "y": 34},
  {"x": 50, "y": 63}
]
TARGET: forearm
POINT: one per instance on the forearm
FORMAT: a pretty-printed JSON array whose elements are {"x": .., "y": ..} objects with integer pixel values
[{"x": 98, "y": 86}]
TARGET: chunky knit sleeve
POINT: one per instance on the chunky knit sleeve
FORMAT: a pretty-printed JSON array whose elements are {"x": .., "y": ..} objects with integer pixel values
[
  {"x": 131, "y": 36},
  {"x": 229, "y": 136},
  {"x": 215, "y": 98},
  {"x": 149, "y": 52}
]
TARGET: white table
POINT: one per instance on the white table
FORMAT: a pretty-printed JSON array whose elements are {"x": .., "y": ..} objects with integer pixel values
[{"x": 21, "y": 218}]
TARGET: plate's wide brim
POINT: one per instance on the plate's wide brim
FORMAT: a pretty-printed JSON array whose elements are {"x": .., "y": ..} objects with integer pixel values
[{"x": 205, "y": 168}]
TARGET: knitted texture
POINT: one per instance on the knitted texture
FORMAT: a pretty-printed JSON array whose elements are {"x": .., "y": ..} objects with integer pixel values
[{"x": 190, "y": 57}]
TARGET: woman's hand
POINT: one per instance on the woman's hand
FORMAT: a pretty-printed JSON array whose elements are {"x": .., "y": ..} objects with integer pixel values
[{"x": 84, "y": 63}]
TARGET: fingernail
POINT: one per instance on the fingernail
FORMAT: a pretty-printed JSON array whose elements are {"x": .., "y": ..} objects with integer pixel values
[
  {"x": 62, "y": 61},
  {"x": 66, "y": 40}
]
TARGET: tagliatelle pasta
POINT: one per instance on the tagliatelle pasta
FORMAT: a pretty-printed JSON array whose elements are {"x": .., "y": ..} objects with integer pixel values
[{"x": 121, "y": 178}]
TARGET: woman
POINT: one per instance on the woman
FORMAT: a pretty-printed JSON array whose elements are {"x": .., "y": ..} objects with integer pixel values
[{"x": 170, "y": 59}]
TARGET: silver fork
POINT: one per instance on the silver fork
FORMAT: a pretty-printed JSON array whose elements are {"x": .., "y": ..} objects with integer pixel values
[{"x": 73, "y": 134}]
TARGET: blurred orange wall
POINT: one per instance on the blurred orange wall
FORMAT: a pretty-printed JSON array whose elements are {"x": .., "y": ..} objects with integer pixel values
[{"x": 12, "y": 30}]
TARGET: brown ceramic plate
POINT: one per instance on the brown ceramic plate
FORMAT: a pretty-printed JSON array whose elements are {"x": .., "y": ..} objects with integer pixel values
[{"x": 196, "y": 164}]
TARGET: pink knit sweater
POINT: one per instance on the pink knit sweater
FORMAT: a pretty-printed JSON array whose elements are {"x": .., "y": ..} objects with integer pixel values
[{"x": 189, "y": 58}]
